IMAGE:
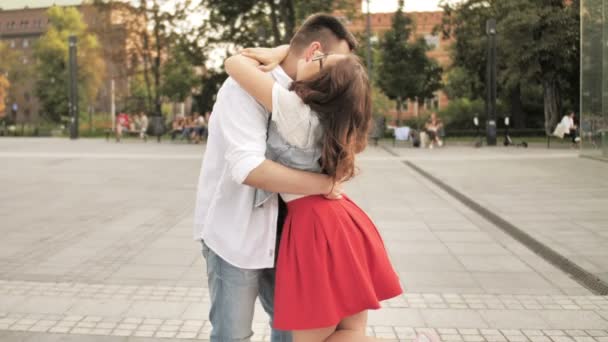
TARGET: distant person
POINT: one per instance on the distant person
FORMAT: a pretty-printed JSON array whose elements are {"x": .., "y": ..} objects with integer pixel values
[
  {"x": 570, "y": 128},
  {"x": 432, "y": 128},
  {"x": 123, "y": 122},
  {"x": 200, "y": 128},
  {"x": 143, "y": 125},
  {"x": 189, "y": 128},
  {"x": 177, "y": 127}
]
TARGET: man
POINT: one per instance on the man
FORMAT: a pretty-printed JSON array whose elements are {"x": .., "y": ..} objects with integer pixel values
[{"x": 240, "y": 242}]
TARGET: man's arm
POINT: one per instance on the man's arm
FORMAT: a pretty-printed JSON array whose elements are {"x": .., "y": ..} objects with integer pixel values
[
  {"x": 274, "y": 177},
  {"x": 244, "y": 126}
]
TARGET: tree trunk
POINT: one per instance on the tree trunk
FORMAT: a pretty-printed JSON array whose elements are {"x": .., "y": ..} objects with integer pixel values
[
  {"x": 288, "y": 15},
  {"x": 517, "y": 113},
  {"x": 156, "y": 66},
  {"x": 146, "y": 55},
  {"x": 91, "y": 119},
  {"x": 399, "y": 106},
  {"x": 276, "y": 33},
  {"x": 551, "y": 103}
]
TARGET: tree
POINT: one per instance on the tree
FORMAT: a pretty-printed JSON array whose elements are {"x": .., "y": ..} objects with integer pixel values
[
  {"x": 12, "y": 73},
  {"x": 260, "y": 22},
  {"x": 405, "y": 72},
  {"x": 51, "y": 54},
  {"x": 178, "y": 76},
  {"x": 152, "y": 31},
  {"x": 235, "y": 24},
  {"x": 542, "y": 40},
  {"x": 461, "y": 84},
  {"x": 211, "y": 82},
  {"x": 538, "y": 45},
  {"x": 4, "y": 85}
]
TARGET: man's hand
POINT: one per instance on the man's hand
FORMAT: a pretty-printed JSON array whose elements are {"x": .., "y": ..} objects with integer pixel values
[{"x": 336, "y": 191}]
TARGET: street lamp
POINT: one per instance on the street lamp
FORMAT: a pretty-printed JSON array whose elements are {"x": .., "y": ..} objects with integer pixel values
[
  {"x": 73, "y": 88},
  {"x": 368, "y": 54},
  {"x": 491, "y": 82}
]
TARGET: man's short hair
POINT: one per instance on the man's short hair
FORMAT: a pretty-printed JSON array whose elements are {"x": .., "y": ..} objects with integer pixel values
[{"x": 323, "y": 28}]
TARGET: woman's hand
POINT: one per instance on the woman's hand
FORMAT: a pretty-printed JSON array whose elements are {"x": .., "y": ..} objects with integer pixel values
[
  {"x": 268, "y": 57},
  {"x": 336, "y": 192}
]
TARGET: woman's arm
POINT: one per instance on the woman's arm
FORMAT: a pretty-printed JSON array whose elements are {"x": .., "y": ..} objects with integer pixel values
[{"x": 246, "y": 72}]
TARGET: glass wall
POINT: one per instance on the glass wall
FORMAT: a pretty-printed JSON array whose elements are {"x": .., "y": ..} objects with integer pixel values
[{"x": 594, "y": 78}]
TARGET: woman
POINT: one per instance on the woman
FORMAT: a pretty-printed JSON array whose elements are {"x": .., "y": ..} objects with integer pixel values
[
  {"x": 332, "y": 265},
  {"x": 432, "y": 128}
]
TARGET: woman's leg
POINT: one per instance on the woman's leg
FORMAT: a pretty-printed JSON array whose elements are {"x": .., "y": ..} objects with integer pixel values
[
  {"x": 352, "y": 329},
  {"x": 313, "y": 335}
]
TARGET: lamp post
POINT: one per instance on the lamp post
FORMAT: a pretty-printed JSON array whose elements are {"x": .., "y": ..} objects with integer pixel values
[
  {"x": 491, "y": 82},
  {"x": 368, "y": 54},
  {"x": 73, "y": 88}
]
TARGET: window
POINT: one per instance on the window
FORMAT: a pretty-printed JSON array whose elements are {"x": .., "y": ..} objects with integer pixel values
[
  {"x": 432, "y": 41},
  {"x": 432, "y": 103},
  {"x": 13, "y": 43},
  {"x": 25, "y": 43},
  {"x": 25, "y": 60}
]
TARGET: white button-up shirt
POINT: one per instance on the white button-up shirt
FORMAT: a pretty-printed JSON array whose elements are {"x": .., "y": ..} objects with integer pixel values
[{"x": 225, "y": 217}]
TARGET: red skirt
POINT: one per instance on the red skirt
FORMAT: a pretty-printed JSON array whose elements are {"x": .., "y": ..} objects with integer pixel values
[{"x": 332, "y": 264}]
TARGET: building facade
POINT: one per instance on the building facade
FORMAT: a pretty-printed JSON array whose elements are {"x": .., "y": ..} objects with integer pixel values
[
  {"x": 21, "y": 28},
  {"x": 424, "y": 24},
  {"x": 594, "y": 78}
]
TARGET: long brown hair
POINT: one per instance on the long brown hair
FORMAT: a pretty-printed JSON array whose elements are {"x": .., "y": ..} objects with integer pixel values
[{"x": 340, "y": 94}]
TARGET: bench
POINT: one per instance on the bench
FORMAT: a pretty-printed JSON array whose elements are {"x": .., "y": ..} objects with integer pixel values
[{"x": 128, "y": 133}]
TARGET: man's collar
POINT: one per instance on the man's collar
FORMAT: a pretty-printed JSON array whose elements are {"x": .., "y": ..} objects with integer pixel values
[{"x": 281, "y": 76}]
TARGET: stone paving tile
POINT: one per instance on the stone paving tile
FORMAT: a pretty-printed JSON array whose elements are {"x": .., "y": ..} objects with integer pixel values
[
  {"x": 199, "y": 330},
  {"x": 118, "y": 295}
]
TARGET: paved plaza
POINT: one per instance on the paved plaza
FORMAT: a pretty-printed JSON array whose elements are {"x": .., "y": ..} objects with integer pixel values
[{"x": 97, "y": 242}]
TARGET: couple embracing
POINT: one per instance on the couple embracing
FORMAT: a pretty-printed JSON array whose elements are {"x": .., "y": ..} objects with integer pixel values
[{"x": 289, "y": 121}]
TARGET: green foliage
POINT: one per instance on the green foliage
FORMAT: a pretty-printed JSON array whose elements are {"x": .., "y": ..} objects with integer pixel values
[
  {"x": 405, "y": 71},
  {"x": 538, "y": 45},
  {"x": 460, "y": 113},
  {"x": 461, "y": 83},
  {"x": 51, "y": 53},
  {"x": 4, "y": 85},
  {"x": 178, "y": 76},
  {"x": 246, "y": 23},
  {"x": 211, "y": 83},
  {"x": 12, "y": 73},
  {"x": 138, "y": 99},
  {"x": 381, "y": 104}
]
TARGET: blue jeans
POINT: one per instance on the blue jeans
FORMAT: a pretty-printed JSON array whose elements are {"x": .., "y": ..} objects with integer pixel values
[{"x": 233, "y": 292}]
